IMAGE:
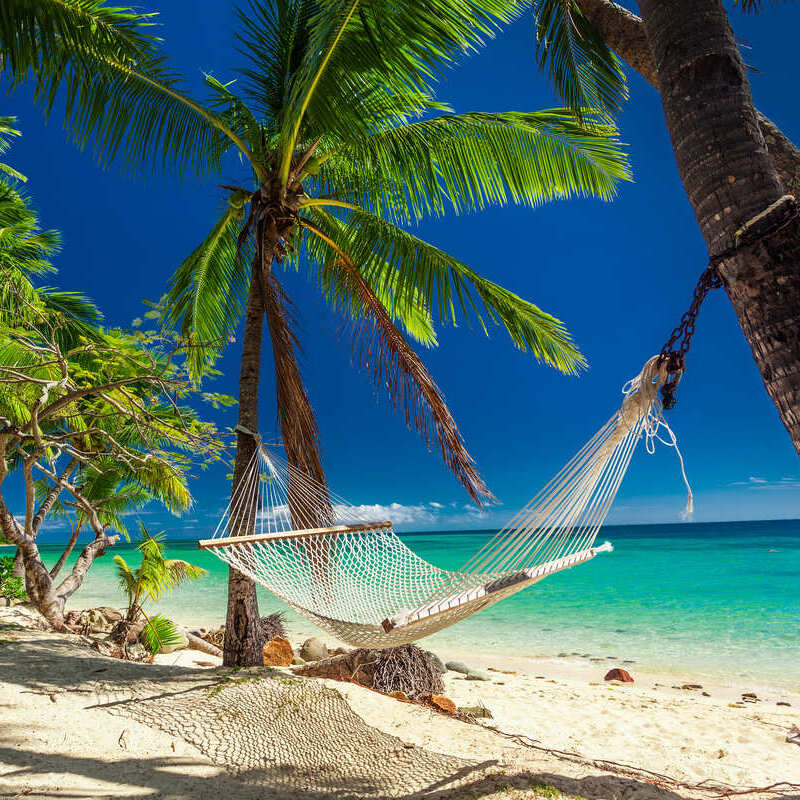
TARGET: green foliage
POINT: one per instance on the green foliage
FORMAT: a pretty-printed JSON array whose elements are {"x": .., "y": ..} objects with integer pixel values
[
  {"x": 10, "y": 584},
  {"x": 160, "y": 632},
  {"x": 585, "y": 72},
  {"x": 151, "y": 580},
  {"x": 353, "y": 80}
]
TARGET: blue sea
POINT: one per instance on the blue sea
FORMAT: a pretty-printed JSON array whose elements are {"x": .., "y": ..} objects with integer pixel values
[{"x": 718, "y": 600}]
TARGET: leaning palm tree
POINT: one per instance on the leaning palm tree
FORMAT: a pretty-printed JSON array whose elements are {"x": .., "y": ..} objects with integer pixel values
[{"x": 341, "y": 144}]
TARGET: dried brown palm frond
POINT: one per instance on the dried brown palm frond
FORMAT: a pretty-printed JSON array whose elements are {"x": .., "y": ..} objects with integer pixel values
[
  {"x": 299, "y": 429},
  {"x": 383, "y": 351}
]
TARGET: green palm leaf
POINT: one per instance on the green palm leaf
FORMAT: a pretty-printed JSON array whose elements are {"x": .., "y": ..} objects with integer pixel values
[
  {"x": 208, "y": 292},
  {"x": 469, "y": 161},
  {"x": 447, "y": 286},
  {"x": 585, "y": 72},
  {"x": 160, "y": 632}
]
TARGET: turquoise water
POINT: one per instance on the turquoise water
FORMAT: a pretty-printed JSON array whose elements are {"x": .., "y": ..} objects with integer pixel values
[{"x": 713, "y": 599}]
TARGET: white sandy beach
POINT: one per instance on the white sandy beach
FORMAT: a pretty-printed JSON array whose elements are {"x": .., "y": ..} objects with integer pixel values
[{"x": 72, "y": 726}]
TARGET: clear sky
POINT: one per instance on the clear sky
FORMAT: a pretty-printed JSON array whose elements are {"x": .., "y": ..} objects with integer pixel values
[{"x": 619, "y": 274}]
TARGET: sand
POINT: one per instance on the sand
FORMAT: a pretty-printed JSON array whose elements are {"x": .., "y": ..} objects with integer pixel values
[{"x": 75, "y": 724}]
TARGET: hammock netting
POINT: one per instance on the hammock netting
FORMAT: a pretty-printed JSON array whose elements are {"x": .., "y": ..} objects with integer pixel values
[{"x": 358, "y": 580}]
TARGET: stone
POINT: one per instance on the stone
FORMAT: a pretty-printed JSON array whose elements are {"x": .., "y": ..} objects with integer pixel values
[
  {"x": 478, "y": 712},
  {"x": 782, "y": 703},
  {"x": 401, "y": 696},
  {"x": 200, "y": 632},
  {"x": 474, "y": 675},
  {"x": 706, "y": 694},
  {"x": 313, "y": 649},
  {"x": 457, "y": 666},
  {"x": 752, "y": 696},
  {"x": 618, "y": 674},
  {"x": 440, "y": 667},
  {"x": 444, "y": 704},
  {"x": 96, "y": 621},
  {"x": 278, "y": 652},
  {"x": 691, "y": 686},
  {"x": 180, "y": 645},
  {"x": 111, "y": 614}
]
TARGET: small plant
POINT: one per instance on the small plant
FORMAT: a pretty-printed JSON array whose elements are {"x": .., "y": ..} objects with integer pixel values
[
  {"x": 10, "y": 585},
  {"x": 150, "y": 581}
]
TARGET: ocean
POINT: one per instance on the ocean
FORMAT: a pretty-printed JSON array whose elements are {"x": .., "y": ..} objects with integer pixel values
[{"x": 718, "y": 600}]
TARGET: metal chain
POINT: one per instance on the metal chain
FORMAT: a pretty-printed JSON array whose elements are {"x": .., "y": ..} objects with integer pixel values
[
  {"x": 749, "y": 235},
  {"x": 677, "y": 346}
]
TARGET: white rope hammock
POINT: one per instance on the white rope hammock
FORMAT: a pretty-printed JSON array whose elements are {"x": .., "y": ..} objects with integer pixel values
[{"x": 359, "y": 581}]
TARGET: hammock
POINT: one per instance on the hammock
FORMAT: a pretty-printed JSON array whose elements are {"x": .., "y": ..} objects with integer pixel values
[{"x": 359, "y": 581}]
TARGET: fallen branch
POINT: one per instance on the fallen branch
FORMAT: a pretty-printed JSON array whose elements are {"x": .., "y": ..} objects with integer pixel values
[{"x": 196, "y": 643}]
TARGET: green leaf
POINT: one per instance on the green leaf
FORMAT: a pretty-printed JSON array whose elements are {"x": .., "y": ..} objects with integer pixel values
[
  {"x": 208, "y": 293},
  {"x": 586, "y": 74},
  {"x": 160, "y": 632},
  {"x": 389, "y": 256},
  {"x": 469, "y": 161}
]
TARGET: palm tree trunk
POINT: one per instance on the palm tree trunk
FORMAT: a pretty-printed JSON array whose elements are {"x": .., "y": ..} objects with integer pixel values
[
  {"x": 243, "y": 638},
  {"x": 732, "y": 184}
]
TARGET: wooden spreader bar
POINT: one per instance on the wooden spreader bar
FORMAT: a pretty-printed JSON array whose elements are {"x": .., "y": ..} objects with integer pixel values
[{"x": 335, "y": 530}]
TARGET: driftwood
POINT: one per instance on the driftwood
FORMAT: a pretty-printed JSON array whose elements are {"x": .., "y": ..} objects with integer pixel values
[
  {"x": 407, "y": 669},
  {"x": 196, "y": 643}
]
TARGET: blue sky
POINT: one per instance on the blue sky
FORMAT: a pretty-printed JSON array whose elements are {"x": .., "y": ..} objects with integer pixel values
[{"x": 619, "y": 274}]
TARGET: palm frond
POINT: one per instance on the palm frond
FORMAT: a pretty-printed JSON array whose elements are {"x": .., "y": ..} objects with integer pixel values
[
  {"x": 207, "y": 294},
  {"x": 383, "y": 252},
  {"x": 160, "y": 632},
  {"x": 379, "y": 347},
  {"x": 7, "y": 132},
  {"x": 469, "y": 161},
  {"x": 584, "y": 70},
  {"x": 369, "y": 62},
  {"x": 120, "y": 94},
  {"x": 126, "y": 576}
]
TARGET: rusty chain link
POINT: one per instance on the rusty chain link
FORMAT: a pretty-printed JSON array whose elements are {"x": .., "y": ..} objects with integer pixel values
[{"x": 677, "y": 346}]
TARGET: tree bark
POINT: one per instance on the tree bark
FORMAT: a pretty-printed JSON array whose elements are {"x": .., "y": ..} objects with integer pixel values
[
  {"x": 625, "y": 34},
  {"x": 244, "y": 644},
  {"x": 67, "y": 551},
  {"x": 732, "y": 184}
]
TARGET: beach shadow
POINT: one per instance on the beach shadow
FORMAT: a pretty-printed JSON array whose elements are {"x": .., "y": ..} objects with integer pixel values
[{"x": 271, "y": 734}]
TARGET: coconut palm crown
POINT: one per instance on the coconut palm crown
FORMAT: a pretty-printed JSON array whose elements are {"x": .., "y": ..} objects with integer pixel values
[{"x": 334, "y": 118}]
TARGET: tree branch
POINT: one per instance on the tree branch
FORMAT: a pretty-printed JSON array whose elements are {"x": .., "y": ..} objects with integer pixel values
[
  {"x": 624, "y": 33},
  {"x": 52, "y": 496}
]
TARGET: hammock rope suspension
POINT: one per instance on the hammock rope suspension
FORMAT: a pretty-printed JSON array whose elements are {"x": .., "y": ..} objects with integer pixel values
[{"x": 359, "y": 581}]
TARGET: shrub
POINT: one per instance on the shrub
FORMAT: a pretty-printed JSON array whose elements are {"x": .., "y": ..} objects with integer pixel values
[{"x": 10, "y": 585}]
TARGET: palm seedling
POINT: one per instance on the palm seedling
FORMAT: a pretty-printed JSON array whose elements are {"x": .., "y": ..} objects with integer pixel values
[{"x": 151, "y": 580}]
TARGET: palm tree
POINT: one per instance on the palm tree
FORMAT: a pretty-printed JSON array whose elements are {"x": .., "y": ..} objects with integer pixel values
[
  {"x": 342, "y": 143},
  {"x": 155, "y": 576},
  {"x": 739, "y": 171}
]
